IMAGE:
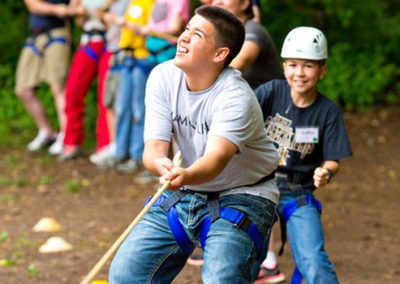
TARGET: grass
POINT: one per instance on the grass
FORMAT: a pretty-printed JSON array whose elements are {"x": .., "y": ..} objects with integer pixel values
[
  {"x": 32, "y": 270},
  {"x": 4, "y": 235},
  {"x": 73, "y": 185},
  {"x": 8, "y": 197},
  {"x": 5, "y": 181}
]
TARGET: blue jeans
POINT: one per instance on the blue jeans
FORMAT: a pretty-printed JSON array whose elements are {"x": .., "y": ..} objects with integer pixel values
[
  {"x": 150, "y": 254},
  {"x": 306, "y": 239},
  {"x": 130, "y": 109}
]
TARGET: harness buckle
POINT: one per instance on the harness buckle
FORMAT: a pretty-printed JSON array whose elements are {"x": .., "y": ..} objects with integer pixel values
[{"x": 244, "y": 223}]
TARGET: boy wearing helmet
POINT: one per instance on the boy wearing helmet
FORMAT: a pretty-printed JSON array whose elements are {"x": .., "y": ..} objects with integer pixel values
[{"x": 311, "y": 138}]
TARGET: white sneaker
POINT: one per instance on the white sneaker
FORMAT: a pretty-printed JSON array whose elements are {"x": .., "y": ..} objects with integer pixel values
[
  {"x": 103, "y": 157},
  {"x": 130, "y": 166},
  {"x": 145, "y": 177},
  {"x": 43, "y": 139},
  {"x": 57, "y": 147}
]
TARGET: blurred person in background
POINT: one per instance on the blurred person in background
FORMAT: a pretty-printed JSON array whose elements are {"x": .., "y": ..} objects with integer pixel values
[
  {"x": 45, "y": 58},
  {"x": 90, "y": 60},
  {"x": 106, "y": 154}
]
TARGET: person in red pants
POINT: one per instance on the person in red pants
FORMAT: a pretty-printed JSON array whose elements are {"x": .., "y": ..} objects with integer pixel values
[{"x": 90, "y": 59}]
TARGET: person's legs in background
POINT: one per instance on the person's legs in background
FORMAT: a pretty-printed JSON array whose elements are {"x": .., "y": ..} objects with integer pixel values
[
  {"x": 46, "y": 136},
  {"x": 56, "y": 63},
  {"x": 81, "y": 74},
  {"x": 123, "y": 110},
  {"x": 105, "y": 156},
  {"x": 42, "y": 60},
  {"x": 103, "y": 138},
  {"x": 138, "y": 77}
]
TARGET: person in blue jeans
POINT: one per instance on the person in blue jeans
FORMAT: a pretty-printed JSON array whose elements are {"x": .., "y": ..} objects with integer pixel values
[
  {"x": 130, "y": 112},
  {"x": 134, "y": 71},
  {"x": 311, "y": 139},
  {"x": 223, "y": 196}
]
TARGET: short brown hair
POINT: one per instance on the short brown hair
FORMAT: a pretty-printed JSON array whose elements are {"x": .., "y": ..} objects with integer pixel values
[{"x": 229, "y": 29}]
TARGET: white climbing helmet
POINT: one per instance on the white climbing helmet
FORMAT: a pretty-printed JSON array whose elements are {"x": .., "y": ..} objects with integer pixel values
[{"x": 305, "y": 43}]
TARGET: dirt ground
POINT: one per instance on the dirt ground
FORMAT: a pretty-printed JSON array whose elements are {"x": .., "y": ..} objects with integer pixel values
[{"x": 360, "y": 215}]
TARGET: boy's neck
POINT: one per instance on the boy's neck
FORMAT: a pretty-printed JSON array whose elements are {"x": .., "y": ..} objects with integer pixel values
[
  {"x": 200, "y": 82},
  {"x": 304, "y": 100}
]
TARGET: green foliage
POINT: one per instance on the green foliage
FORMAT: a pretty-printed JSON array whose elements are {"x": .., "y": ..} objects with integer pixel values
[
  {"x": 13, "y": 28},
  {"x": 357, "y": 81},
  {"x": 364, "y": 63}
]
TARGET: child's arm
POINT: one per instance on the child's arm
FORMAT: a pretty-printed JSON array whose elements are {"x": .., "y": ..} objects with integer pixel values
[
  {"x": 219, "y": 151},
  {"x": 77, "y": 10},
  {"x": 323, "y": 174},
  {"x": 44, "y": 8},
  {"x": 247, "y": 56}
]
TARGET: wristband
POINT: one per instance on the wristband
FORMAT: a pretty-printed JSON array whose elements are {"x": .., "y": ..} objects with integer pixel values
[{"x": 330, "y": 174}]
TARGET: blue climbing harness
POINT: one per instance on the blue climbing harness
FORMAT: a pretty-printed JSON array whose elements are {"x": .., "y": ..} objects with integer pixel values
[
  {"x": 30, "y": 42},
  {"x": 90, "y": 51},
  {"x": 237, "y": 218}
]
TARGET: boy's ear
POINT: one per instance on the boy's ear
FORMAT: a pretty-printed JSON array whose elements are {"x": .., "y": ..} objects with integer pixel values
[
  {"x": 322, "y": 71},
  {"x": 221, "y": 54}
]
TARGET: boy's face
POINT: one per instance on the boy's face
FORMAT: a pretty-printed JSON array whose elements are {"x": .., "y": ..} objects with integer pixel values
[
  {"x": 303, "y": 75},
  {"x": 196, "y": 45}
]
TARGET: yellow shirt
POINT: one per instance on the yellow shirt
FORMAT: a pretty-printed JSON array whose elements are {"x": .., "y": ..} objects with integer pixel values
[{"x": 138, "y": 12}]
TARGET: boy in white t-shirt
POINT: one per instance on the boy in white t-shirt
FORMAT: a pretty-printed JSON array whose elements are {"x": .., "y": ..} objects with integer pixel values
[{"x": 224, "y": 189}]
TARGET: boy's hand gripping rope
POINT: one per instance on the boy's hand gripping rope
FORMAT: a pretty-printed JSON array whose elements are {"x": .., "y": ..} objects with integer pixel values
[{"x": 88, "y": 278}]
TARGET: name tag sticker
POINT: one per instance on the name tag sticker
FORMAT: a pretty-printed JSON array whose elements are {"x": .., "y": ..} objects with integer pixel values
[{"x": 306, "y": 135}]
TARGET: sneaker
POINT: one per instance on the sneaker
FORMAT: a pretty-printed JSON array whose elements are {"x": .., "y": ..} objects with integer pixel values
[
  {"x": 70, "y": 152},
  {"x": 267, "y": 275},
  {"x": 57, "y": 147},
  {"x": 145, "y": 177},
  {"x": 104, "y": 158},
  {"x": 42, "y": 139},
  {"x": 196, "y": 259},
  {"x": 130, "y": 166}
]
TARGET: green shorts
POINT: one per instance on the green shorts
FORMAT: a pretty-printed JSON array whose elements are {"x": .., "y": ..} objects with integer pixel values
[{"x": 44, "y": 63}]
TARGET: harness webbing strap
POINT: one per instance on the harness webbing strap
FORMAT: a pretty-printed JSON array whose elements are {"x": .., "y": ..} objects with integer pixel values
[
  {"x": 31, "y": 43},
  {"x": 174, "y": 198},
  {"x": 238, "y": 219},
  {"x": 297, "y": 277},
  {"x": 177, "y": 229},
  {"x": 91, "y": 53},
  {"x": 179, "y": 232},
  {"x": 56, "y": 39},
  {"x": 292, "y": 205},
  {"x": 35, "y": 49},
  {"x": 213, "y": 205},
  {"x": 287, "y": 211}
]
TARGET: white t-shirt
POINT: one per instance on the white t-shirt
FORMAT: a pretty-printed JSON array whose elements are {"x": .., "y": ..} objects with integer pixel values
[{"x": 227, "y": 109}]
